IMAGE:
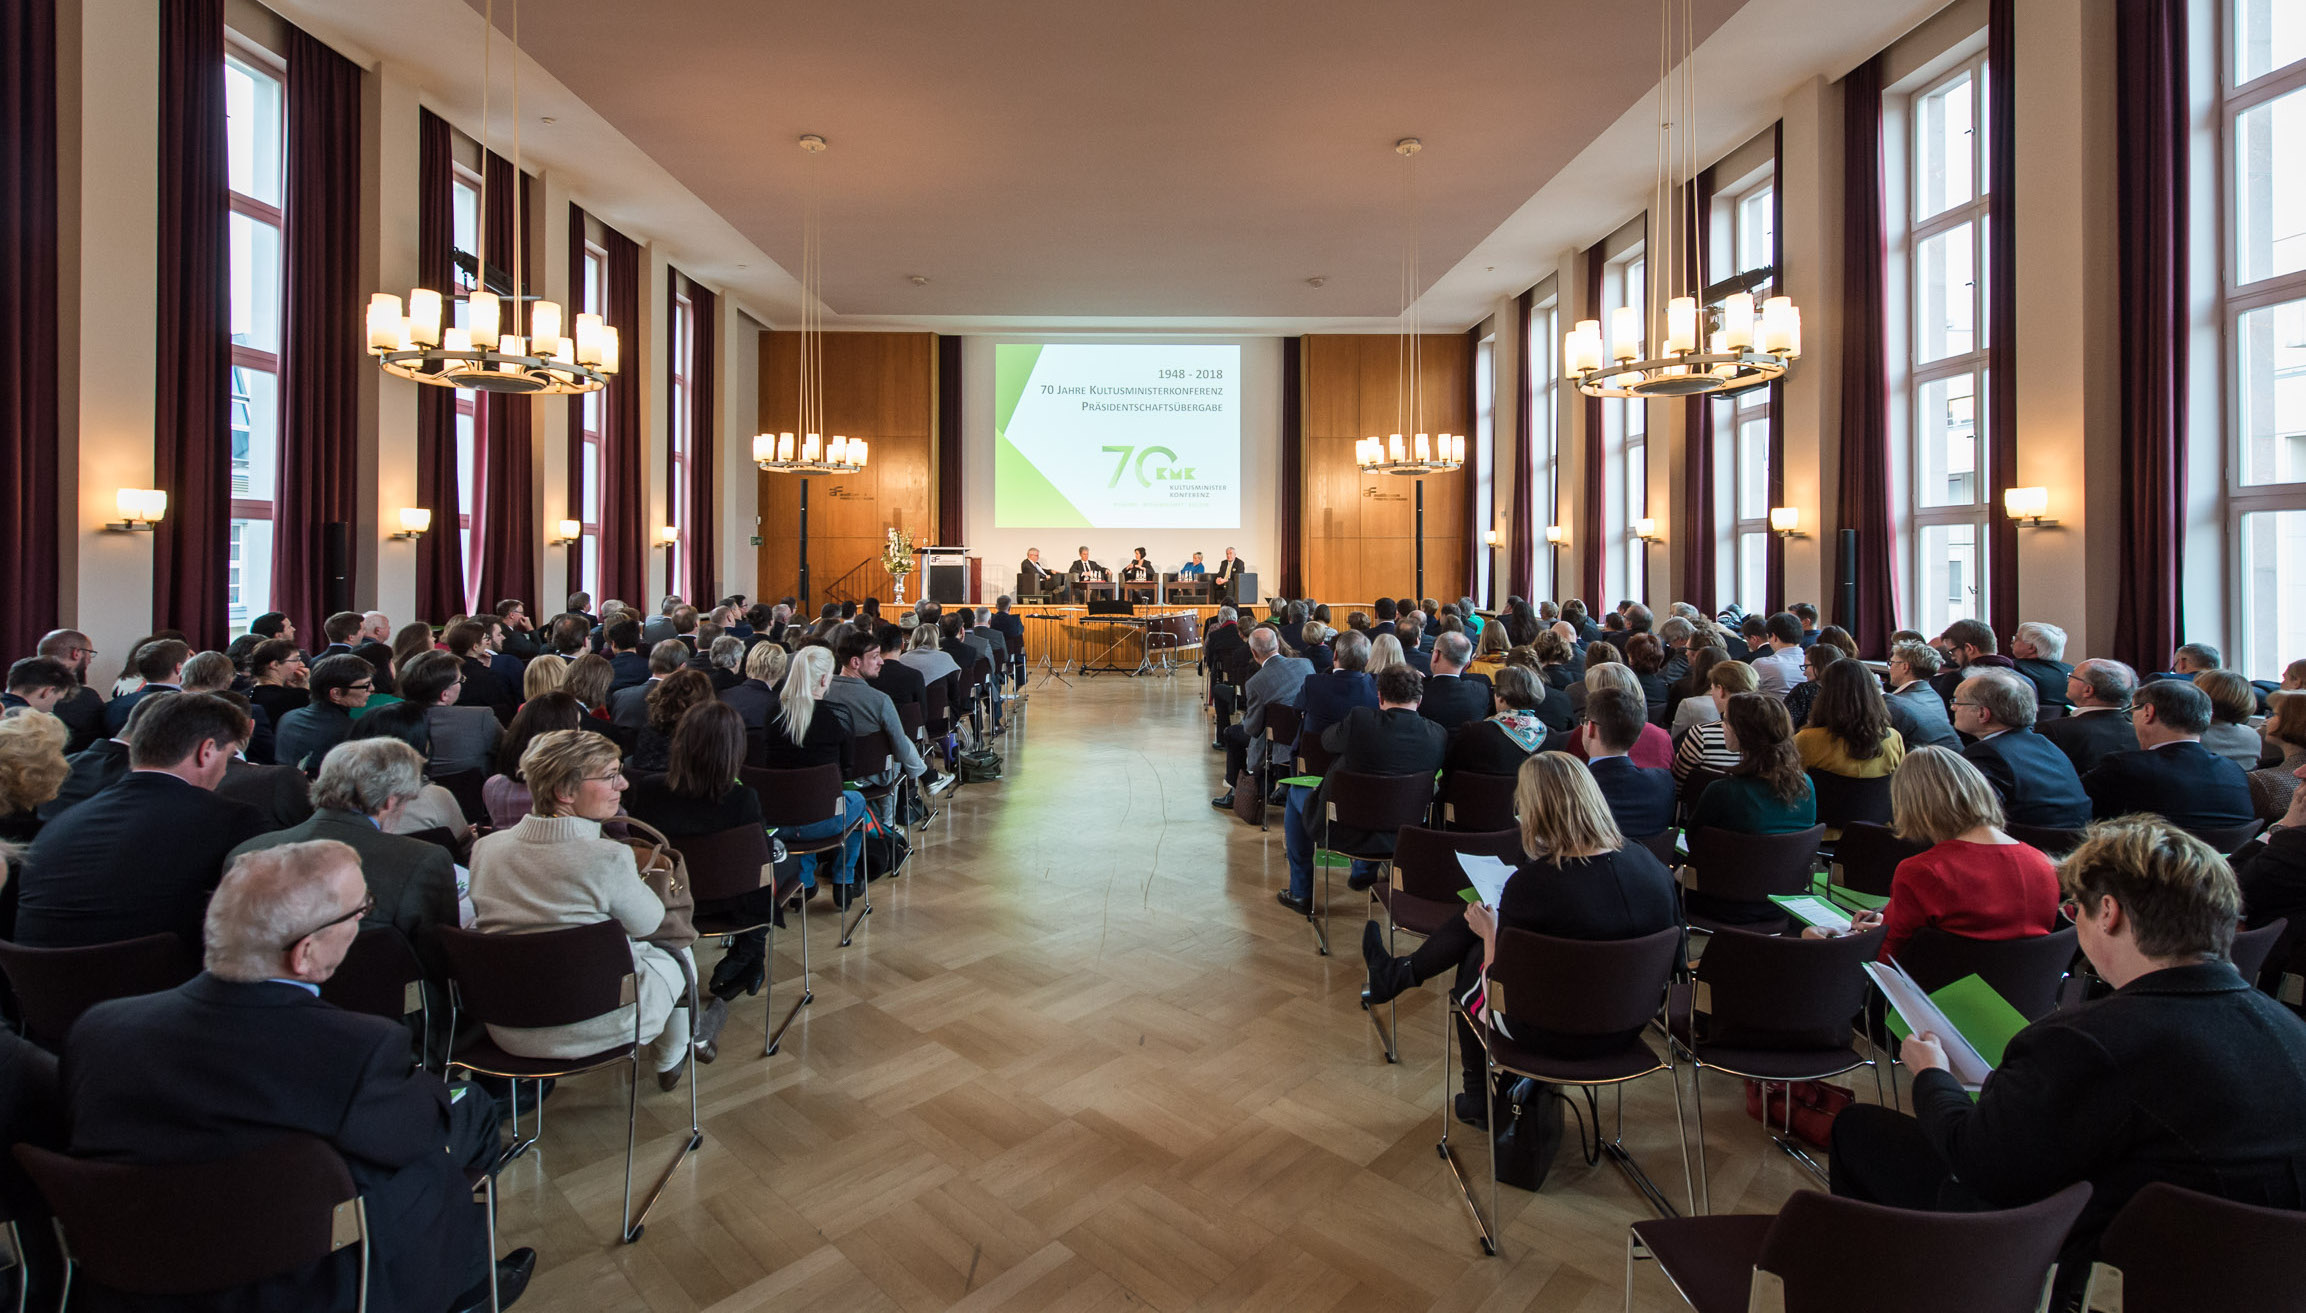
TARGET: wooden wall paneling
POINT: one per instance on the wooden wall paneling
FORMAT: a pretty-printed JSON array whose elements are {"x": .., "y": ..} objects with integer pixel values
[
  {"x": 1361, "y": 529},
  {"x": 879, "y": 387}
]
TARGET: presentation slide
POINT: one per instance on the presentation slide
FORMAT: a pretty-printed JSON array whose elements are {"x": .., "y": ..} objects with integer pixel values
[{"x": 1110, "y": 436}]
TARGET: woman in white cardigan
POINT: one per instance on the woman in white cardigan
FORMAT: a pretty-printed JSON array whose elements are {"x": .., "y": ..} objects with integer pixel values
[{"x": 555, "y": 869}]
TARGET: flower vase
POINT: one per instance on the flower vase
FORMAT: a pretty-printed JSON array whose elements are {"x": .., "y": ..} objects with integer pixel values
[{"x": 900, "y": 589}]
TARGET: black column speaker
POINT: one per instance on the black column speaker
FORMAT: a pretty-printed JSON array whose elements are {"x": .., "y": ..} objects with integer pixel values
[
  {"x": 336, "y": 566},
  {"x": 1846, "y": 579}
]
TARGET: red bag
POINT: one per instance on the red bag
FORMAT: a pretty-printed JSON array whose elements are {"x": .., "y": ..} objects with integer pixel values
[{"x": 1815, "y": 1105}]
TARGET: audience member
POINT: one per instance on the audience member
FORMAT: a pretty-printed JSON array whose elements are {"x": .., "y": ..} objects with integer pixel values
[
  {"x": 338, "y": 685},
  {"x": 435, "y": 812},
  {"x": 32, "y": 769},
  {"x": 1692, "y": 700},
  {"x": 1917, "y": 710},
  {"x": 1799, "y": 699},
  {"x": 1969, "y": 648},
  {"x": 623, "y": 640},
  {"x": 2035, "y": 781},
  {"x": 1416, "y": 651},
  {"x": 544, "y": 674},
  {"x": 1328, "y": 698},
  {"x": 1645, "y": 655},
  {"x": 2037, "y": 650},
  {"x": 1639, "y": 797},
  {"x": 807, "y": 730},
  {"x": 2099, "y": 692},
  {"x": 1391, "y": 739},
  {"x": 1451, "y": 697},
  {"x": 39, "y": 683},
  {"x": 282, "y": 679},
  {"x": 698, "y": 795},
  {"x": 2171, "y": 773},
  {"x": 464, "y": 739},
  {"x": 82, "y": 710},
  {"x": 2232, "y": 703},
  {"x": 1499, "y": 744},
  {"x": 1654, "y": 749},
  {"x": 505, "y": 792},
  {"x": 1489, "y": 649},
  {"x": 1705, "y": 746},
  {"x": 1778, "y": 662},
  {"x": 2272, "y": 871},
  {"x": 281, "y": 794},
  {"x": 629, "y": 706},
  {"x": 247, "y": 1052},
  {"x": 1766, "y": 792},
  {"x": 555, "y": 868},
  {"x": 2185, "y": 1074},
  {"x": 1276, "y": 683},
  {"x": 1599, "y": 653},
  {"x": 588, "y": 680},
  {"x": 2271, "y": 787},
  {"x": 141, "y": 857},
  {"x": 1807, "y": 615},
  {"x": 726, "y": 656},
  {"x": 669, "y": 699},
  {"x": 1848, "y": 732},
  {"x": 159, "y": 665},
  {"x": 858, "y": 661},
  {"x": 755, "y": 698}
]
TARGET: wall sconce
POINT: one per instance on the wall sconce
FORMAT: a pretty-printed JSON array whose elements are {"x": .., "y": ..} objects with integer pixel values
[
  {"x": 569, "y": 531},
  {"x": 414, "y": 523},
  {"x": 1646, "y": 530},
  {"x": 1556, "y": 536},
  {"x": 2026, "y": 506},
  {"x": 1786, "y": 522},
  {"x": 1492, "y": 538},
  {"x": 667, "y": 535},
  {"x": 140, "y": 509}
]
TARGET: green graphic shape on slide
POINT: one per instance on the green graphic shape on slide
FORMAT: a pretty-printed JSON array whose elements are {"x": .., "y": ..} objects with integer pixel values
[{"x": 1023, "y": 497}]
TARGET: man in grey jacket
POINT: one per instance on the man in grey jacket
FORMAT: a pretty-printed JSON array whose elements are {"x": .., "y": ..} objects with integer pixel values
[
  {"x": 1916, "y": 710},
  {"x": 1276, "y": 683},
  {"x": 856, "y": 659}
]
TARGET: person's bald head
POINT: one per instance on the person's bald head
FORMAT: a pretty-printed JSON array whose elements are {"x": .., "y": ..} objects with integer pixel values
[
  {"x": 1263, "y": 643},
  {"x": 289, "y": 912}
]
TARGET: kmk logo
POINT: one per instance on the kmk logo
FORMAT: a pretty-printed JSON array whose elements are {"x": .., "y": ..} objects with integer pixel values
[{"x": 1144, "y": 457}]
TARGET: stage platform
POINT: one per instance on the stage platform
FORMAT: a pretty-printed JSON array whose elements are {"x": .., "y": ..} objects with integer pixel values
[{"x": 1062, "y": 631}]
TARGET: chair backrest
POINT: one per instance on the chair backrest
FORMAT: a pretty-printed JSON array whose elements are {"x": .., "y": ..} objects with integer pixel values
[
  {"x": 55, "y": 985},
  {"x": 1750, "y": 867},
  {"x": 727, "y": 863},
  {"x": 1317, "y": 758},
  {"x": 1379, "y": 804},
  {"x": 1694, "y": 785},
  {"x": 2252, "y": 947},
  {"x": 1779, "y": 992},
  {"x": 2229, "y": 840},
  {"x": 911, "y": 717},
  {"x": 466, "y": 787},
  {"x": 551, "y": 977},
  {"x": 803, "y": 795},
  {"x": 2173, "y": 1249},
  {"x": 1282, "y": 724},
  {"x": 380, "y": 975},
  {"x": 1471, "y": 800},
  {"x": 1660, "y": 845},
  {"x": 2026, "y": 971},
  {"x": 938, "y": 715},
  {"x": 1582, "y": 987},
  {"x": 1842, "y": 800},
  {"x": 869, "y": 752},
  {"x": 1425, "y": 860},
  {"x": 198, "y": 1228},
  {"x": 1823, "y": 1249},
  {"x": 2050, "y": 839},
  {"x": 1869, "y": 855}
]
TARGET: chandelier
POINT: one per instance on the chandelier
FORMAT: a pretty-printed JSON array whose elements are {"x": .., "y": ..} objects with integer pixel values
[
  {"x": 1740, "y": 347},
  {"x": 1419, "y": 452},
  {"x": 781, "y": 453},
  {"x": 426, "y": 345}
]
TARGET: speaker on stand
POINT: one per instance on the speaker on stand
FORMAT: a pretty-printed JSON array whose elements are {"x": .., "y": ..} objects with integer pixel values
[
  {"x": 1846, "y": 579},
  {"x": 335, "y": 568}
]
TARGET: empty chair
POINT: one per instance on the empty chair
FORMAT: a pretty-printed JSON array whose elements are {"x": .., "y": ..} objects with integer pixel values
[
  {"x": 381, "y": 977},
  {"x": 1733, "y": 872},
  {"x": 1843, "y": 800},
  {"x": 1821, "y": 1253},
  {"x": 2252, "y": 947},
  {"x": 2172, "y": 1250},
  {"x": 1282, "y": 724},
  {"x": 1474, "y": 801},
  {"x": 2027, "y": 972},
  {"x": 55, "y": 985},
  {"x": 809, "y": 795},
  {"x": 1868, "y": 854}
]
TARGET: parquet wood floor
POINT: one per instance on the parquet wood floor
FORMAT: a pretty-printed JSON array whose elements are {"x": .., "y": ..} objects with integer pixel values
[{"x": 1078, "y": 1058}]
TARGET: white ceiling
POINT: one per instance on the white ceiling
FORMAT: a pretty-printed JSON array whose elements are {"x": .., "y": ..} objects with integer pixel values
[{"x": 1065, "y": 166}]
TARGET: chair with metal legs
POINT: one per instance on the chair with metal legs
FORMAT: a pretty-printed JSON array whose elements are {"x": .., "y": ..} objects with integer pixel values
[
  {"x": 1422, "y": 897},
  {"x": 913, "y": 718},
  {"x": 1594, "y": 997},
  {"x": 1868, "y": 855},
  {"x": 381, "y": 976},
  {"x": 1735, "y": 868},
  {"x": 559, "y": 977},
  {"x": 1780, "y": 1011},
  {"x": 808, "y": 795},
  {"x": 873, "y": 754},
  {"x": 1470, "y": 800},
  {"x": 1280, "y": 735},
  {"x": 724, "y": 867},
  {"x": 1375, "y": 805}
]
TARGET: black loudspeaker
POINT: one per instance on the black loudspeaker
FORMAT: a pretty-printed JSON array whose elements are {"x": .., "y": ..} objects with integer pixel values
[
  {"x": 949, "y": 584},
  {"x": 1244, "y": 589},
  {"x": 1111, "y": 606},
  {"x": 1846, "y": 579},
  {"x": 335, "y": 568}
]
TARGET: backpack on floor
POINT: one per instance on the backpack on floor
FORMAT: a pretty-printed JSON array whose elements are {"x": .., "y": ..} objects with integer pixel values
[{"x": 978, "y": 765}]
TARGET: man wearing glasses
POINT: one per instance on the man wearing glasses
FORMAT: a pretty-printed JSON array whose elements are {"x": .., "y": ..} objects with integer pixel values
[
  {"x": 2037, "y": 784},
  {"x": 339, "y": 686},
  {"x": 2099, "y": 724},
  {"x": 247, "y": 1051},
  {"x": 83, "y": 710}
]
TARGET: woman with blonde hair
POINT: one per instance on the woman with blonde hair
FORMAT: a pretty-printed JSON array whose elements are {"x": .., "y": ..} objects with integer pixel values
[
  {"x": 544, "y": 674},
  {"x": 32, "y": 770},
  {"x": 1489, "y": 652},
  {"x": 555, "y": 869},
  {"x": 588, "y": 680},
  {"x": 2232, "y": 703},
  {"x": 1654, "y": 749},
  {"x": 1975, "y": 880},
  {"x": 1581, "y": 880},
  {"x": 804, "y": 730},
  {"x": 1385, "y": 650}
]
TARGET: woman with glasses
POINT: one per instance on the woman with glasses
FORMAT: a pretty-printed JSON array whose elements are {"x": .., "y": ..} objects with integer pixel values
[
  {"x": 554, "y": 869},
  {"x": 280, "y": 675},
  {"x": 506, "y": 792}
]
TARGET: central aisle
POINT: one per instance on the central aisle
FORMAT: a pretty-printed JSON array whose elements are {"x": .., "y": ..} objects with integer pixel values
[{"x": 1079, "y": 1058}]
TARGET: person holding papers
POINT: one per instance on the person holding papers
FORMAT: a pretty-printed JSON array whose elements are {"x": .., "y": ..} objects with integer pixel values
[
  {"x": 2184, "y": 1074},
  {"x": 1583, "y": 880},
  {"x": 1975, "y": 880}
]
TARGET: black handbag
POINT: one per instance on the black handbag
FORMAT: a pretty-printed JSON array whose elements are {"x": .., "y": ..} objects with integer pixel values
[{"x": 1527, "y": 1115}]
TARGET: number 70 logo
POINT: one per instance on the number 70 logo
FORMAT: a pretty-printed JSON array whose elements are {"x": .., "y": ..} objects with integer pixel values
[{"x": 1143, "y": 456}]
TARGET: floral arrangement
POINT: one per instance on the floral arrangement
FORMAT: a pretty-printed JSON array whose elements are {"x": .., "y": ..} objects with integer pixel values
[{"x": 897, "y": 555}]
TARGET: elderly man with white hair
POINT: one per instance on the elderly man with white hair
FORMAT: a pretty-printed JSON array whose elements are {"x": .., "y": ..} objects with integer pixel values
[
  {"x": 1275, "y": 684},
  {"x": 2038, "y": 650},
  {"x": 247, "y": 1052}
]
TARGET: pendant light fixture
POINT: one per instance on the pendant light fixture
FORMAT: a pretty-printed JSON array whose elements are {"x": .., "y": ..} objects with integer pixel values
[
  {"x": 1411, "y": 450},
  {"x": 803, "y": 449}
]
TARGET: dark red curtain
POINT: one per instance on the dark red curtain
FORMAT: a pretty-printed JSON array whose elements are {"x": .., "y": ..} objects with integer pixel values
[
  {"x": 1292, "y": 465},
  {"x": 1863, "y": 502},
  {"x": 1470, "y": 477},
  {"x": 506, "y": 517},
  {"x": 192, "y": 420},
  {"x": 624, "y": 438},
  {"x": 28, "y": 331},
  {"x": 440, "y": 552},
  {"x": 2001, "y": 314},
  {"x": 701, "y": 553},
  {"x": 1697, "y": 527},
  {"x": 2152, "y": 157},
  {"x": 951, "y": 531},
  {"x": 1593, "y": 551},
  {"x": 321, "y": 355},
  {"x": 1774, "y": 547},
  {"x": 1521, "y": 526},
  {"x": 576, "y": 405}
]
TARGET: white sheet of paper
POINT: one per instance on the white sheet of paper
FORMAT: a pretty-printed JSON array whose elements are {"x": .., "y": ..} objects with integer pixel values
[
  {"x": 1488, "y": 875},
  {"x": 1919, "y": 1013},
  {"x": 1818, "y": 912}
]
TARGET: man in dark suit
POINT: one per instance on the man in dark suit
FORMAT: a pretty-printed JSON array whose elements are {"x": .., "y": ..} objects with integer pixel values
[
  {"x": 140, "y": 857},
  {"x": 339, "y": 686},
  {"x": 1226, "y": 650},
  {"x": 2170, "y": 773},
  {"x": 2035, "y": 652},
  {"x": 2185, "y": 1074},
  {"x": 280, "y": 794},
  {"x": 82, "y": 711},
  {"x": 1641, "y": 798},
  {"x": 483, "y": 685},
  {"x": 754, "y": 699},
  {"x": 1388, "y": 619},
  {"x": 1916, "y": 711},
  {"x": 1226, "y": 578},
  {"x": 1083, "y": 572},
  {"x": 629, "y": 707},
  {"x": 2099, "y": 724},
  {"x": 518, "y": 637},
  {"x": 903, "y": 685},
  {"x": 247, "y": 1052},
  {"x": 160, "y": 664},
  {"x": 1011, "y": 628},
  {"x": 1390, "y": 740},
  {"x": 1451, "y": 699},
  {"x": 92, "y": 770},
  {"x": 624, "y": 640},
  {"x": 1328, "y": 698},
  {"x": 1033, "y": 577},
  {"x": 340, "y": 629},
  {"x": 2037, "y": 784},
  {"x": 1276, "y": 684}
]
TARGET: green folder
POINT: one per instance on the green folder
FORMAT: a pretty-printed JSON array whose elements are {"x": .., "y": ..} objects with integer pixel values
[
  {"x": 1984, "y": 1017},
  {"x": 1822, "y": 886},
  {"x": 1302, "y": 781},
  {"x": 1795, "y": 905}
]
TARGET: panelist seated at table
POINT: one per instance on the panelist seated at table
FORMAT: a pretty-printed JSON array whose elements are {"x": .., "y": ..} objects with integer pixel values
[
  {"x": 1085, "y": 571},
  {"x": 1229, "y": 570},
  {"x": 1031, "y": 569},
  {"x": 1193, "y": 569},
  {"x": 1139, "y": 570}
]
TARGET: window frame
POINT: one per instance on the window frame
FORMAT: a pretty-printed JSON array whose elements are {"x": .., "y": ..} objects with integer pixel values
[
  {"x": 1625, "y": 432},
  {"x": 680, "y": 370},
  {"x": 259, "y": 62},
  {"x": 592, "y": 443},
  {"x": 2237, "y": 299},
  {"x": 1485, "y": 466},
  {"x": 470, "y": 432},
  {"x": 1741, "y": 541}
]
